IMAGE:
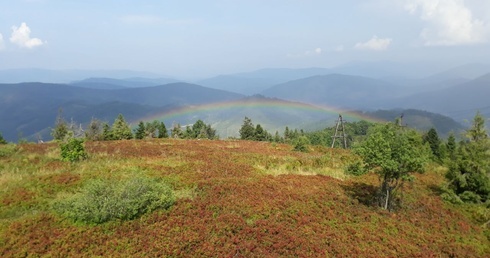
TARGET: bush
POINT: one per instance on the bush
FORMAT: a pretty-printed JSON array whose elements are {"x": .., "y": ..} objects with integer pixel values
[
  {"x": 356, "y": 168},
  {"x": 7, "y": 150},
  {"x": 301, "y": 144},
  {"x": 101, "y": 201},
  {"x": 73, "y": 150}
]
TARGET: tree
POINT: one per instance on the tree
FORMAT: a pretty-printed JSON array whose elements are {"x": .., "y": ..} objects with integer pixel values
[
  {"x": 151, "y": 129},
  {"x": 120, "y": 129},
  {"x": 394, "y": 154},
  {"x": 60, "y": 130},
  {"x": 432, "y": 138},
  {"x": 451, "y": 146},
  {"x": 260, "y": 133},
  {"x": 176, "y": 131},
  {"x": 2, "y": 140},
  {"x": 162, "y": 131},
  {"x": 247, "y": 131},
  {"x": 140, "y": 131},
  {"x": 95, "y": 130},
  {"x": 107, "y": 132},
  {"x": 469, "y": 173}
]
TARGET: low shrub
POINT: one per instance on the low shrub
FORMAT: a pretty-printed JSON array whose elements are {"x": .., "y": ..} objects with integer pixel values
[
  {"x": 7, "y": 150},
  {"x": 356, "y": 168},
  {"x": 301, "y": 144},
  {"x": 73, "y": 150},
  {"x": 102, "y": 200}
]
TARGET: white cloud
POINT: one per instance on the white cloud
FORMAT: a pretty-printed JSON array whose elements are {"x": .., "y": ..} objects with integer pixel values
[
  {"x": 2, "y": 45},
  {"x": 448, "y": 22},
  {"x": 22, "y": 37},
  {"x": 374, "y": 43}
]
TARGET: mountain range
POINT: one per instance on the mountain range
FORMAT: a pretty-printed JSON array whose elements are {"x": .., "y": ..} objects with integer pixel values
[{"x": 298, "y": 98}]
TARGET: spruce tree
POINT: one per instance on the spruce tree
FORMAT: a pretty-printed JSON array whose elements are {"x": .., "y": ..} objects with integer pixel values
[
  {"x": 247, "y": 131},
  {"x": 432, "y": 138},
  {"x": 60, "y": 130},
  {"x": 120, "y": 129},
  {"x": 140, "y": 132},
  {"x": 162, "y": 131},
  {"x": 469, "y": 173}
]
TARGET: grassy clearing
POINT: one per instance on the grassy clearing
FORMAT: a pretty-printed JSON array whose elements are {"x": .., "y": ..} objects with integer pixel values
[{"x": 231, "y": 198}]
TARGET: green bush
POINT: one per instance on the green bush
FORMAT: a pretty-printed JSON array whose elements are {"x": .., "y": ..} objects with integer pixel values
[
  {"x": 7, "y": 150},
  {"x": 301, "y": 144},
  {"x": 73, "y": 150},
  {"x": 356, "y": 168},
  {"x": 101, "y": 201}
]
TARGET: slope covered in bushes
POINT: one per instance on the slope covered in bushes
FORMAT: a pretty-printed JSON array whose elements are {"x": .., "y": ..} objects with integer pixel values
[{"x": 232, "y": 198}]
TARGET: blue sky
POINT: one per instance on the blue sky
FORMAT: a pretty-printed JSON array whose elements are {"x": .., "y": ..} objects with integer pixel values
[{"x": 204, "y": 38}]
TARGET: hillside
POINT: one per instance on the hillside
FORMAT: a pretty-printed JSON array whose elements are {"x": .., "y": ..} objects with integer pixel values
[
  {"x": 343, "y": 91},
  {"x": 110, "y": 83},
  {"x": 459, "y": 102},
  {"x": 234, "y": 198},
  {"x": 29, "y": 108}
]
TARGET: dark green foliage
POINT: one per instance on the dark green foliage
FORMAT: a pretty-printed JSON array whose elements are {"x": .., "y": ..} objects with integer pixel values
[
  {"x": 107, "y": 133},
  {"x": 260, "y": 133},
  {"x": 101, "y": 201},
  {"x": 95, "y": 130},
  {"x": 301, "y": 144},
  {"x": 120, "y": 129},
  {"x": 140, "y": 131},
  {"x": 247, "y": 131},
  {"x": 73, "y": 150},
  {"x": 468, "y": 174},
  {"x": 2, "y": 140},
  {"x": 356, "y": 168},
  {"x": 394, "y": 154},
  {"x": 432, "y": 138},
  {"x": 162, "y": 131},
  {"x": 451, "y": 147},
  {"x": 60, "y": 130}
]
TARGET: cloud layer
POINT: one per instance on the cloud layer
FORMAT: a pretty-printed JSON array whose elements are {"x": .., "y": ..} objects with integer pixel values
[
  {"x": 374, "y": 43},
  {"x": 448, "y": 22},
  {"x": 21, "y": 36}
]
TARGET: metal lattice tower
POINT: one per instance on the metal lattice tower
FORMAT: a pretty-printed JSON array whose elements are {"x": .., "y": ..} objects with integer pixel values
[{"x": 341, "y": 134}]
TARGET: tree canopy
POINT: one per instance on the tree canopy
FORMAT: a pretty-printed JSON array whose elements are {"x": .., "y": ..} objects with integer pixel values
[{"x": 394, "y": 153}]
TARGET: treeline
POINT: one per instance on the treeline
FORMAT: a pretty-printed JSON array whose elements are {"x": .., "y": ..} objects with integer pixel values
[{"x": 98, "y": 130}]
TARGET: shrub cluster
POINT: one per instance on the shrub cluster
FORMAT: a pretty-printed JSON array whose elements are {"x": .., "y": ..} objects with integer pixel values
[
  {"x": 73, "y": 150},
  {"x": 102, "y": 200}
]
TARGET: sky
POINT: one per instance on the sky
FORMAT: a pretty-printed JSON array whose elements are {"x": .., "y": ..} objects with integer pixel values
[{"x": 194, "y": 38}]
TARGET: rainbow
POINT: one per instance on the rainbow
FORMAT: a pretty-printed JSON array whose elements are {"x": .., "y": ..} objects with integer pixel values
[{"x": 173, "y": 114}]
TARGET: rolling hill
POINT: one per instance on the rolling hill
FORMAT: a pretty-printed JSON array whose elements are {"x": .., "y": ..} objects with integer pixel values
[
  {"x": 459, "y": 102},
  {"x": 342, "y": 91},
  {"x": 30, "y": 108}
]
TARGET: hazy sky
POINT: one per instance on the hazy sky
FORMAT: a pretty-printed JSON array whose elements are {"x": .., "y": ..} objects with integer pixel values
[{"x": 202, "y": 38}]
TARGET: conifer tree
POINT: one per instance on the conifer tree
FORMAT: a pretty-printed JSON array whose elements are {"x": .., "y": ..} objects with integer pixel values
[
  {"x": 247, "y": 131},
  {"x": 162, "y": 131},
  {"x": 469, "y": 173},
  {"x": 120, "y": 129},
  {"x": 140, "y": 132},
  {"x": 60, "y": 130},
  {"x": 432, "y": 138}
]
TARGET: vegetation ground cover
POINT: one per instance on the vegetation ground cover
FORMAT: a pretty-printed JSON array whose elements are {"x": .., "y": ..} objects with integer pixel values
[{"x": 234, "y": 198}]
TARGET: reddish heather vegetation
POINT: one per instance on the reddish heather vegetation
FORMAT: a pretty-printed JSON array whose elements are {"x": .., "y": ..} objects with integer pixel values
[{"x": 229, "y": 206}]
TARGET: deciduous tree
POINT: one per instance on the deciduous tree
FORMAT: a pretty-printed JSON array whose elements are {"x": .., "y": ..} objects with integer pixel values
[{"x": 394, "y": 154}]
